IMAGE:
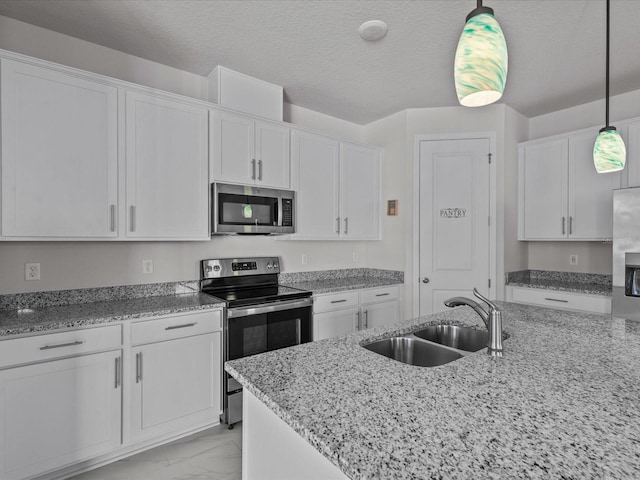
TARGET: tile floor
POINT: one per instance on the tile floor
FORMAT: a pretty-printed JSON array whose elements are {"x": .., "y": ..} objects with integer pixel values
[{"x": 214, "y": 454}]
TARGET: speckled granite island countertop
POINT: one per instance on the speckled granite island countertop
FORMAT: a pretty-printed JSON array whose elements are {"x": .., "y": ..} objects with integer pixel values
[
  {"x": 563, "y": 402},
  {"x": 42, "y": 317},
  {"x": 589, "y": 283}
]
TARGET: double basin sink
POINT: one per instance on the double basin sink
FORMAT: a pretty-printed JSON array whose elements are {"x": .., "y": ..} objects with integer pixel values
[{"x": 432, "y": 346}]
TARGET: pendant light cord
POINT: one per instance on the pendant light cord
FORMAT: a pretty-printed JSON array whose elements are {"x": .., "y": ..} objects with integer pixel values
[{"x": 607, "y": 71}]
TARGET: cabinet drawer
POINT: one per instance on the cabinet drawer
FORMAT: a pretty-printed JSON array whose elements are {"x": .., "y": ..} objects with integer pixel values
[
  {"x": 566, "y": 300},
  {"x": 335, "y": 301},
  {"x": 175, "y": 326},
  {"x": 54, "y": 345},
  {"x": 374, "y": 295}
]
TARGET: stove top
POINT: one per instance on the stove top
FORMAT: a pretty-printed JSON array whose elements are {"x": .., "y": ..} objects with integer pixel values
[{"x": 246, "y": 281}]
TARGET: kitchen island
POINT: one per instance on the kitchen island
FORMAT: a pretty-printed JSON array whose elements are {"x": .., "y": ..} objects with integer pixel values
[{"x": 563, "y": 402}]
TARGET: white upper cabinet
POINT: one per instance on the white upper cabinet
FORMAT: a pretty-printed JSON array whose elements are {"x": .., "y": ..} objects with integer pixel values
[
  {"x": 561, "y": 197},
  {"x": 360, "y": 192},
  {"x": 166, "y": 168},
  {"x": 59, "y": 154},
  {"x": 590, "y": 193},
  {"x": 248, "y": 151},
  {"x": 337, "y": 186},
  {"x": 315, "y": 178}
]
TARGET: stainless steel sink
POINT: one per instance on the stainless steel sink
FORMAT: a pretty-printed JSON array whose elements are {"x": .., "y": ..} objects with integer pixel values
[
  {"x": 413, "y": 351},
  {"x": 462, "y": 338}
]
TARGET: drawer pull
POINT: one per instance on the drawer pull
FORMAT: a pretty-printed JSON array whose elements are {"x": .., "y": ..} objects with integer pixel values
[
  {"x": 556, "y": 300},
  {"x": 118, "y": 378},
  {"x": 339, "y": 301},
  {"x": 382, "y": 294},
  {"x": 70, "y": 344},
  {"x": 185, "y": 325}
]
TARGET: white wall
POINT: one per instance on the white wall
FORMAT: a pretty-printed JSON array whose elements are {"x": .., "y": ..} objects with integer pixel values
[
  {"x": 593, "y": 257},
  {"x": 91, "y": 264}
]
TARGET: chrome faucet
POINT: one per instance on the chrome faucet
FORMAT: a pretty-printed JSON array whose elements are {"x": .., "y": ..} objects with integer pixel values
[{"x": 492, "y": 318}]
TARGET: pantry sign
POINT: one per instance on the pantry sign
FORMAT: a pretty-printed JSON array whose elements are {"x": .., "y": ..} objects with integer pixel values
[{"x": 453, "y": 212}]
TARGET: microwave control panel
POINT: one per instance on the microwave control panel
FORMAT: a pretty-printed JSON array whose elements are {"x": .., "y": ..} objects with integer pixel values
[{"x": 287, "y": 212}]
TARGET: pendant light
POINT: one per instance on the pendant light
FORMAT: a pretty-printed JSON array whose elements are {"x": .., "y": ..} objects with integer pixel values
[
  {"x": 480, "y": 67},
  {"x": 609, "y": 152}
]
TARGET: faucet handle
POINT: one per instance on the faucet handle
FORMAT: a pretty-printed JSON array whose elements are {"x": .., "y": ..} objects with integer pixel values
[{"x": 492, "y": 305}]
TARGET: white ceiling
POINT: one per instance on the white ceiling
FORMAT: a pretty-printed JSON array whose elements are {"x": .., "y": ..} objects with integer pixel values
[{"x": 312, "y": 47}]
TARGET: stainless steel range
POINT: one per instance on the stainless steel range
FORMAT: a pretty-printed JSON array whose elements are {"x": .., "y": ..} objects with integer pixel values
[{"x": 261, "y": 315}]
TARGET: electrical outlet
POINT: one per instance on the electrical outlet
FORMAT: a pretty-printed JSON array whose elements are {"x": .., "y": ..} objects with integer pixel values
[
  {"x": 573, "y": 259},
  {"x": 32, "y": 271},
  {"x": 147, "y": 266},
  {"x": 305, "y": 259}
]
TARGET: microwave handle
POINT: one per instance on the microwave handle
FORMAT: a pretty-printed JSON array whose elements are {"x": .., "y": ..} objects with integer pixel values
[{"x": 279, "y": 219}]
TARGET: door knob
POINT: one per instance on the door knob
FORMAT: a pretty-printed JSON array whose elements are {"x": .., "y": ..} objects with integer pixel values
[{"x": 425, "y": 279}]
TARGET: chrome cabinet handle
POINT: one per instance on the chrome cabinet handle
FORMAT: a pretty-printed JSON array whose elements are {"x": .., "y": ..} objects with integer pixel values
[
  {"x": 358, "y": 326},
  {"x": 556, "y": 300},
  {"x": 259, "y": 169},
  {"x": 253, "y": 168},
  {"x": 382, "y": 294},
  {"x": 132, "y": 218},
  {"x": 185, "y": 325},
  {"x": 425, "y": 280},
  {"x": 570, "y": 225},
  {"x": 346, "y": 225},
  {"x": 337, "y": 224},
  {"x": 366, "y": 319},
  {"x": 61, "y": 345},
  {"x": 113, "y": 218},
  {"x": 339, "y": 301},
  {"x": 118, "y": 373},
  {"x": 563, "y": 224},
  {"x": 138, "y": 367}
]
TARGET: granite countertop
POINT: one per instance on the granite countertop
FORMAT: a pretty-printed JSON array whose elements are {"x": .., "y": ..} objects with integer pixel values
[
  {"x": 561, "y": 403},
  {"x": 343, "y": 284},
  {"x": 50, "y": 318},
  {"x": 593, "y": 284}
]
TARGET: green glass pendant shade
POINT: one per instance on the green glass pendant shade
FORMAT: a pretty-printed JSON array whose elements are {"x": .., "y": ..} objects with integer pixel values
[
  {"x": 480, "y": 67},
  {"x": 609, "y": 152}
]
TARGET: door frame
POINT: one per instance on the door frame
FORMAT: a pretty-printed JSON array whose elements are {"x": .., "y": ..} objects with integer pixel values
[{"x": 491, "y": 136}]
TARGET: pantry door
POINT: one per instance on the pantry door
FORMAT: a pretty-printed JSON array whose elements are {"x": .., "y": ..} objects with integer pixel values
[{"x": 454, "y": 217}]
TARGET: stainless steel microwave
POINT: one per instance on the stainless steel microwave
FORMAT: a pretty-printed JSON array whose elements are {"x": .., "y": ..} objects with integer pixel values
[{"x": 243, "y": 209}]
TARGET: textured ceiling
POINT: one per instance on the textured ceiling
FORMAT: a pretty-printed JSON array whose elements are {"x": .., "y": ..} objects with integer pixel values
[{"x": 312, "y": 47}]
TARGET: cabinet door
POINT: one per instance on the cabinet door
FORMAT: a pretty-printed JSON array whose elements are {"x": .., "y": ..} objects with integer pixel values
[
  {"x": 315, "y": 174},
  {"x": 232, "y": 148},
  {"x": 590, "y": 193},
  {"x": 177, "y": 385},
  {"x": 360, "y": 192},
  {"x": 378, "y": 314},
  {"x": 167, "y": 181},
  {"x": 59, "y": 154},
  {"x": 60, "y": 412},
  {"x": 543, "y": 172},
  {"x": 335, "y": 324},
  {"x": 273, "y": 154}
]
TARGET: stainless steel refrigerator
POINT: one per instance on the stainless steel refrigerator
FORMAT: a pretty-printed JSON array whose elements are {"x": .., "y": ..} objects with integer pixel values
[{"x": 626, "y": 253}]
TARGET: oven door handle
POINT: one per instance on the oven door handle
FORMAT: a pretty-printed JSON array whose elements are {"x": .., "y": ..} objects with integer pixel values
[{"x": 271, "y": 307}]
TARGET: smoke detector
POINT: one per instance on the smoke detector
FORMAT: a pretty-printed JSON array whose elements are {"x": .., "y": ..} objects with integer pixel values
[{"x": 373, "y": 30}]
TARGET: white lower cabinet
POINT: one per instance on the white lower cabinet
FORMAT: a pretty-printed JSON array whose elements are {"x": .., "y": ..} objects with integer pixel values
[
  {"x": 59, "y": 411},
  {"x": 337, "y": 314},
  {"x": 77, "y": 398},
  {"x": 558, "y": 299},
  {"x": 176, "y": 379}
]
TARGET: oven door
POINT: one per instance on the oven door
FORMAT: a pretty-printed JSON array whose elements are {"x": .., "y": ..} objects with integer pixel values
[{"x": 258, "y": 329}]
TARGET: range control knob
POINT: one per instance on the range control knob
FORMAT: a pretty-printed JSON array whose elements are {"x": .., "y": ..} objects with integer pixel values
[
  {"x": 275, "y": 265},
  {"x": 269, "y": 266},
  {"x": 216, "y": 268}
]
